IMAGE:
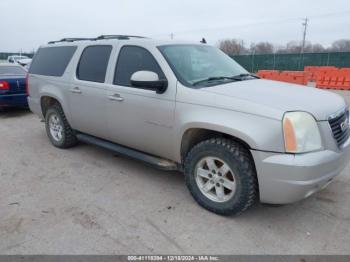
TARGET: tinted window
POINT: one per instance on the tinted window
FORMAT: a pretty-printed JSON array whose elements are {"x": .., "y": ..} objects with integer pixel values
[
  {"x": 12, "y": 70},
  {"x": 93, "y": 63},
  {"x": 52, "y": 61},
  {"x": 132, "y": 59}
]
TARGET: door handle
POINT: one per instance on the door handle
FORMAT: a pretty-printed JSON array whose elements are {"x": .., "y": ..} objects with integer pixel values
[
  {"x": 76, "y": 90},
  {"x": 116, "y": 97}
]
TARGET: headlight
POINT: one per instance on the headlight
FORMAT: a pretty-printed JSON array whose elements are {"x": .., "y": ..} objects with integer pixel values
[{"x": 301, "y": 133}]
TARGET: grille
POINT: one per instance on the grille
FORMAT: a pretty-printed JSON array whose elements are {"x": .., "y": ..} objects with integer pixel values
[{"x": 340, "y": 127}]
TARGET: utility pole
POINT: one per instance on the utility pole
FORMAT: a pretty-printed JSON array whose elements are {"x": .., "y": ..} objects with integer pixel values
[
  {"x": 305, "y": 24},
  {"x": 253, "y": 54}
]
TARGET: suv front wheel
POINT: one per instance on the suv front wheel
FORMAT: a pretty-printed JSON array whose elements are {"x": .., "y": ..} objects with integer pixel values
[
  {"x": 58, "y": 129},
  {"x": 221, "y": 176}
]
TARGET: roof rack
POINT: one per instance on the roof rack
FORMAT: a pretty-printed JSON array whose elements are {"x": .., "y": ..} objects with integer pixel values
[
  {"x": 101, "y": 37},
  {"x": 70, "y": 40},
  {"x": 120, "y": 37}
]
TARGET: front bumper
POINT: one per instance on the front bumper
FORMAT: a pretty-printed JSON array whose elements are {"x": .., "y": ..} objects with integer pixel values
[{"x": 287, "y": 178}]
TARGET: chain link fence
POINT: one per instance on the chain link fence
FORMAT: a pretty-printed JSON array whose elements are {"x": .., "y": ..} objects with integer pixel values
[{"x": 293, "y": 62}]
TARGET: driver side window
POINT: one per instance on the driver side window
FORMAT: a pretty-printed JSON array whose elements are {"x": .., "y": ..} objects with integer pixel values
[{"x": 132, "y": 59}]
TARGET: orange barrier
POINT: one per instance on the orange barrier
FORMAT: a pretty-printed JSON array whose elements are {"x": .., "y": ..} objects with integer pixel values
[
  {"x": 296, "y": 77},
  {"x": 326, "y": 77},
  {"x": 336, "y": 79}
]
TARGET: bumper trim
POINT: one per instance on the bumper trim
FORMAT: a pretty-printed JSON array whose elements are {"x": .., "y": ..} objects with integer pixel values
[{"x": 11, "y": 100}]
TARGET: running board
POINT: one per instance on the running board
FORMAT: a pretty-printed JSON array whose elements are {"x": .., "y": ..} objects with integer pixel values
[{"x": 150, "y": 159}]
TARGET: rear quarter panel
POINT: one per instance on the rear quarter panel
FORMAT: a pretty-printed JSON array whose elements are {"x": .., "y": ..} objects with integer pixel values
[{"x": 41, "y": 86}]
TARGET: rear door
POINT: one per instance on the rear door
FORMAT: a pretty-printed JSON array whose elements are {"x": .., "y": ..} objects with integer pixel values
[{"x": 87, "y": 93}]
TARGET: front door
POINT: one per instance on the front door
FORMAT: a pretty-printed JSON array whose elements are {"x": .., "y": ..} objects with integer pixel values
[{"x": 140, "y": 118}]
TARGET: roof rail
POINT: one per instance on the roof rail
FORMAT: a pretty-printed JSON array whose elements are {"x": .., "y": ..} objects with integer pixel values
[
  {"x": 101, "y": 37},
  {"x": 70, "y": 40},
  {"x": 120, "y": 37}
]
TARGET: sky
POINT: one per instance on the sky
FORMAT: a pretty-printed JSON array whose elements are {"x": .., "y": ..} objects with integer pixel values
[{"x": 27, "y": 24}]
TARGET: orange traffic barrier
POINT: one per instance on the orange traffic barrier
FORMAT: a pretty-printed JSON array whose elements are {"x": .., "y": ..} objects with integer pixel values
[
  {"x": 326, "y": 77},
  {"x": 334, "y": 79}
]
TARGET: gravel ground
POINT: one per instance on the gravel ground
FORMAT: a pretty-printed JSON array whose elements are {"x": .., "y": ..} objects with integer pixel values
[{"x": 86, "y": 200}]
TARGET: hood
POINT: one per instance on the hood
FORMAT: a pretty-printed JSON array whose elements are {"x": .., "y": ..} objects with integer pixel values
[{"x": 280, "y": 96}]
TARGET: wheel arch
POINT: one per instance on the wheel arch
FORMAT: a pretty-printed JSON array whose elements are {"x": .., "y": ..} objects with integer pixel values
[
  {"x": 195, "y": 135},
  {"x": 46, "y": 101}
]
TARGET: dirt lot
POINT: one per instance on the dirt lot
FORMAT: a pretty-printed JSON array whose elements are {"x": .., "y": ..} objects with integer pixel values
[{"x": 86, "y": 200}]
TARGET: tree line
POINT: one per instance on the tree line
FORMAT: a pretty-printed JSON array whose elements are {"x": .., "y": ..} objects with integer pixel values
[{"x": 238, "y": 47}]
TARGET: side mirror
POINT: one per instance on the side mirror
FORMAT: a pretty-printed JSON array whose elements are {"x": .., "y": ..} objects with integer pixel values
[{"x": 149, "y": 80}]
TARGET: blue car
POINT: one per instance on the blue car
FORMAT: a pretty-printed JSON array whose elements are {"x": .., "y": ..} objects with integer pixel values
[{"x": 13, "y": 86}]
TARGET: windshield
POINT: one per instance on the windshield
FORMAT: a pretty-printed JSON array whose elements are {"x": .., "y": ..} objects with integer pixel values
[
  {"x": 194, "y": 63},
  {"x": 12, "y": 70}
]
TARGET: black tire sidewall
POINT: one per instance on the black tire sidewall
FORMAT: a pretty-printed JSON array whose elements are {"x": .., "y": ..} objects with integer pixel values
[
  {"x": 237, "y": 202},
  {"x": 50, "y": 112}
]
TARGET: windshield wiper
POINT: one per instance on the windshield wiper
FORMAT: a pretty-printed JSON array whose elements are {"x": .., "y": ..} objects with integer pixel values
[
  {"x": 213, "y": 78},
  {"x": 241, "y": 77}
]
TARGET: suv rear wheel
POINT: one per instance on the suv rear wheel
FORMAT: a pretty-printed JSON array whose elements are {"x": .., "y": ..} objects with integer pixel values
[
  {"x": 221, "y": 176},
  {"x": 58, "y": 129}
]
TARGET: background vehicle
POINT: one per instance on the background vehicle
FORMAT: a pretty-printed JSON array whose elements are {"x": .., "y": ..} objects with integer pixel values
[
  {"x": 24, "y": 62},
  {"x": 12, "y": 86},
  {"x": 15, "y": 58},
  {"x": 190, "y": 107}
]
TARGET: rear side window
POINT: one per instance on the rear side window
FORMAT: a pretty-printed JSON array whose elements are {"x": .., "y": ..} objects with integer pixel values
[
  {"x": 52, "y": 61},
  {"x": 132, "y": 59},
  {"x": 93, "y": 63}
]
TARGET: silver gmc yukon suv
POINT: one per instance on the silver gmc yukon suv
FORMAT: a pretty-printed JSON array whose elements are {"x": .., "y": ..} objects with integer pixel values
[{"x": 189, "y": 107}]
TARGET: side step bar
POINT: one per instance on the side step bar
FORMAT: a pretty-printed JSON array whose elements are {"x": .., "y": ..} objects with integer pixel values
[{"x": 150, "y": 159}]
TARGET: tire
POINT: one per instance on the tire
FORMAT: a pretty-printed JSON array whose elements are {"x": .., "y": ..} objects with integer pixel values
[
  {"x": 67, "y": 136},
  {"x": 234, "y": 191}
]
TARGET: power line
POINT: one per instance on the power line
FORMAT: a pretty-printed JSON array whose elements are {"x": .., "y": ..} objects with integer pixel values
[
  {"x": 331, "y": 14},
  {"x": 199, "y": 30},
  {"x": 276, "y": 21}
]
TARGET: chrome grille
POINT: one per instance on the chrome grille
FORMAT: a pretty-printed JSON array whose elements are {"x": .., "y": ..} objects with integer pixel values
[{"x": 340, "y": 127}]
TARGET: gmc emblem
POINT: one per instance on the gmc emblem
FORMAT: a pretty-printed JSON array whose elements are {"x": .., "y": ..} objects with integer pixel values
[{"x": 344, "y": 125}]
